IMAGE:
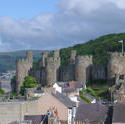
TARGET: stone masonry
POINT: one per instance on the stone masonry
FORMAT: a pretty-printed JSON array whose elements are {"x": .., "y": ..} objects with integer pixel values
[
  {"x": 82, "y": 68},
  {"x": 23, "y": 67},
  {"x": 116, "y": 66}
]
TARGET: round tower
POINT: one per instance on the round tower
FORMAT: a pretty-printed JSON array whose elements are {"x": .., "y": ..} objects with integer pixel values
[
  {"x": 82, "y": 68},
  {"x": 73, "y": 56},
  {"x": 44, "y": 56},
  {"x": 51, "y": 71},
  {"x": 29, "y": 58}
]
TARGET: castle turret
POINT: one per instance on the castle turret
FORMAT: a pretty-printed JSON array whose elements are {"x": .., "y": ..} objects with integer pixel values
[
  {"x": 82, "y": 68},
  {"x": 73, "y": 56},
  {"x": 29, "y": 56},
  {"x": 23, "y": 67},
  {"x": 44, "y": 56},
  {"x": 51, "y": 75},
  {"x": 52, "y": 68},
  {"x": 116, "y": 66}
]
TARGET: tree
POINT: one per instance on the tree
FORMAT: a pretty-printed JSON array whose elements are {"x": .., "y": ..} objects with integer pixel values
[
  {"x": 29, "y": 82},
  {"x": 2, "y": 92}
]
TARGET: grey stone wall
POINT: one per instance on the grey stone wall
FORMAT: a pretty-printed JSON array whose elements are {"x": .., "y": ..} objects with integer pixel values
[
  {"x": 23, "y": 67},
  {"x": 99, "y": 72},
  {"x": 82, "y": 67},
  {"x": 116, "y": 65},
  {"x": 15, "y": 111}
]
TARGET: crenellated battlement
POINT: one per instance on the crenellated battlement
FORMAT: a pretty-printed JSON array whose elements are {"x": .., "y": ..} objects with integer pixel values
[
  {"x": 22, "y": 68},
  {"x": 83, "y": 59},
  {"x": 116, "y": 54}
]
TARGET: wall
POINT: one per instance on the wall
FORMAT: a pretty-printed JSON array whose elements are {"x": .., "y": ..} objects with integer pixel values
[
  {"x": 15, "y": 111},
  {"x": 82, "y": 68},
  {"x": 23, "y": 67},
  {"x": 116, "y": 65},
  {"x": 61, "y": 108},
  {"x": 99, "y": 72}
]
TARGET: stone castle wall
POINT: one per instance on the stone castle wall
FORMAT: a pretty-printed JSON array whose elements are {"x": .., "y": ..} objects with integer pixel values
[
  {"x": 15, "y": 111},
  {"x": 82, "y": 67},
  {"x": 116, "y": 64},
  {"x": 52, "y": 68},
  {"x": 22, "y": 70},
  {"x": 98, "y": 72}
]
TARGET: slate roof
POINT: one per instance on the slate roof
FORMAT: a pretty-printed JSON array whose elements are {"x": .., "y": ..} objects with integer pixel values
[
  {"x": 64, "y": 99},
  {"x": 119, "y": 113},
  {"x": 36, "y": 119},
  {"x": 69, "y": 90},
  {"x": 78, "y": 85},
  {"x": 91, "y": 113},
  {"x": 90, "y": 97}
]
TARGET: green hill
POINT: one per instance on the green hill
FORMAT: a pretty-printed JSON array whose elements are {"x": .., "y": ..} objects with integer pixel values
[
  {"x": 99, "y": 48},
  {"x": 8, "y": 59}
]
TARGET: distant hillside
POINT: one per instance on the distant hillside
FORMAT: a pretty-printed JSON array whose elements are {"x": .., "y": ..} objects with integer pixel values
[
  {"x": 8, "y": 59},
  {"x": 99, "y": 48}
]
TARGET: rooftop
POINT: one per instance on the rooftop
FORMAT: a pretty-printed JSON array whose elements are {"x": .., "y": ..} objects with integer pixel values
[
  {"x": 119, "y": 113},
  {"x": 91, "y": 113},
  {"x": 64, "y": 99}
]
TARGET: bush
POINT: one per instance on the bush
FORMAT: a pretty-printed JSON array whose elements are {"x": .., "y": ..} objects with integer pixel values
[
  {"x": 29, "y": 82},
  {"x": 91, "y": 92},
  {"x": 2, "y": 92},
  {"x": 85, "y": 98}
]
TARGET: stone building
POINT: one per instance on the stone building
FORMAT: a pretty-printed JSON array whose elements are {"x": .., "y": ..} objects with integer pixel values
[
  {"x": 82, "y": 68},
  {"x": 116, "y": 66},
  {"x": 50, "y": 70},
  {"x": 23, "y": 67}
]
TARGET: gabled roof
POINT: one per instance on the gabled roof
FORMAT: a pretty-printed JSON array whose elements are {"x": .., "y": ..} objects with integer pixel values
[
  {"x": 119, "y": 113},
  {"x": 90, "y": 97},
  {"x": 64, "y": 99},
  {"x": 69, "y": 90},
  {"x": 91, "y": 113},
  {"x": 36, "y": 119}
]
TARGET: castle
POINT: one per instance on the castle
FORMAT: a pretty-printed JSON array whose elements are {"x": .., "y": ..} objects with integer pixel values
[
  {"x": 23, "y": 67},
  {"x": 80, "y": 68},
  {"x": 51, "y": 71}
]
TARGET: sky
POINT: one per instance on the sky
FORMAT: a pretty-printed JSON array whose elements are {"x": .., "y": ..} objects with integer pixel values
[{"x": 54, "y": 24}]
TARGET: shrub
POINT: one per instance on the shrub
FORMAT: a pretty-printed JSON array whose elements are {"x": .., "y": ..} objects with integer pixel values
[
  {"x": 2, "y": 92},
  {"x": 29, "y": 82}
]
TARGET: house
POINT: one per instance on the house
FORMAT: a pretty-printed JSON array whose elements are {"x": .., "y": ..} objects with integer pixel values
[
  {"x": 91, "y": 114},
  {"x": 65, "y": 107},
  {"x": 70, "y": 89},
  {"x": 35, "y": 119},
  {"x": 57, "y": 87},
  {"x": 118, "y": 114}
]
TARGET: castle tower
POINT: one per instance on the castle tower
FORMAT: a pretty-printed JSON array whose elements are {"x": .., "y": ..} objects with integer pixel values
[
  {"x": 73, "y": 56},
  {"x": 29, "y": 57},
  {"x": 44, "y": 56},
  {"x": 51, "y": 71},
  {"x": 52, "y": 67},
  {"x": 116, "y": 66},
  {"x": 23, "y": 67},
  {"x": 82, "y": 68},
  {"x": 56, "y": 53}
]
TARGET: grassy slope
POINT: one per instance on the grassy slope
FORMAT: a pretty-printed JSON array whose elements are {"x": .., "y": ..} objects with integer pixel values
[
  {"x": 99, "y": 48},
  {"x": 8, "y": 59}
]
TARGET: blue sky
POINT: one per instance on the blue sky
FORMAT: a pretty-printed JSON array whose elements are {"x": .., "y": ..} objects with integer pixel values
[
  {"x": 26, "y": 8},
  {"x": 54, "y": 24}
]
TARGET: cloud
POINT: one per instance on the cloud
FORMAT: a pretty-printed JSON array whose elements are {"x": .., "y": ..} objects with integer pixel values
[{"x": 76, "y": 21}]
